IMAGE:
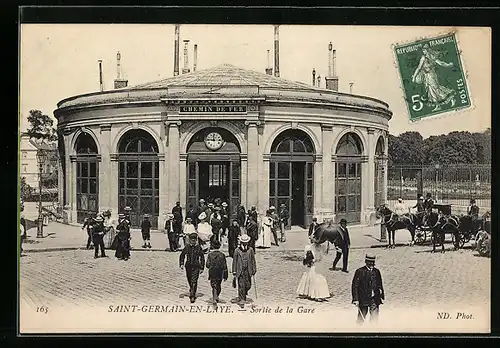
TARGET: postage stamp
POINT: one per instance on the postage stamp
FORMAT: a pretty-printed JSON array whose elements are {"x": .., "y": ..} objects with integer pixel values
[{"x": 432, "y": 76}]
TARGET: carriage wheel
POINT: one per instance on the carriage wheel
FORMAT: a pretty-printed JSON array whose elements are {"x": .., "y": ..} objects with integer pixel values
[
  {"x": 484, "y": 248},
  {"x": 466, "y": 237},
  {"x": 461, "y": 240},
  {"x": 420, "y": 236}
]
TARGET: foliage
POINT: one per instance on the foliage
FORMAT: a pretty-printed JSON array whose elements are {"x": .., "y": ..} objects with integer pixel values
[
  {"x": 41, "y": 126},
  {"x": 25, "y": 189},
  {"x": 410, "y": 148}
]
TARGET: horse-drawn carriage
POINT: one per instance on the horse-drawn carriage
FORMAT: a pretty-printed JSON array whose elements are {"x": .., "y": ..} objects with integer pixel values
[{"x": 423, "y": 230}]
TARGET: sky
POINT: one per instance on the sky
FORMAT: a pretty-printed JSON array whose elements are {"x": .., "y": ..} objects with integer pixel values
[{"x": 60, "y": 60}]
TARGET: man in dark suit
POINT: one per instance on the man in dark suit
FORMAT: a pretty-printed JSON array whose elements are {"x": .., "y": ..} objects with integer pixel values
[
  {"x": 367, "y": 290},
  {"x": 342, "y": 245},
  {"x": 312, "y": 227}
]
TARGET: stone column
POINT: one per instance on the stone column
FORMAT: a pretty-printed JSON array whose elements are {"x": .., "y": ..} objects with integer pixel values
[
  {"x": 253, "y": 164},
  {"x": 60, "y": 181},
  {"x": 68, "y": 177},
  {"x": 105, "y": 182},
  {"x": 370, "y": 187},
  {"x": 244, "y": 180},
  {"x": 327, "y": 177},
  {"x": 72, "y": 191},
  {"x": 173, "y": 171}
]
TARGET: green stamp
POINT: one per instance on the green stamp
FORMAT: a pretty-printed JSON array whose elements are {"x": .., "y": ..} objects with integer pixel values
[{"x": 432, "y": 76}]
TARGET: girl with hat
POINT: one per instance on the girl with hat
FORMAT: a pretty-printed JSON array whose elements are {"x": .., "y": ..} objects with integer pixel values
[
  {"x": 244, "y": 268},
  {"x": 146, "y": 231},
  {"x": 313, "y": 285}
]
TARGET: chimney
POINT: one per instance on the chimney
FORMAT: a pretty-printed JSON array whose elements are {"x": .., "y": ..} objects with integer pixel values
[
  {"x": 195, "y": 58},
  {"x": 119, "y": 82},
  {"x": 277, "y": 50},
  {"x": 176, "y": 50},
  {"x": 332, "y": 81},
  {"x": 319, "y": 80},
  {"x": 185, "y": 70},
  {"x": 314, "y": 77},
  {"x": 101, "y": 86},
  {"x": 350, "y": 87},
  {"x": 269, "y": 69}
]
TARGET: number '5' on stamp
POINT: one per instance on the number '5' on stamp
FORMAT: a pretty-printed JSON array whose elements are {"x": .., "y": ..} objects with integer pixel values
[{"x": 432, "y": 76}]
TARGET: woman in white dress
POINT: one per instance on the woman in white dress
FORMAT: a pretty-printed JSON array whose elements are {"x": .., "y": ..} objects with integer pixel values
[
  {"x": 204, "y": 232},
  {"x": 313, "y": 285},
  {"x": 264, "y": 240}
]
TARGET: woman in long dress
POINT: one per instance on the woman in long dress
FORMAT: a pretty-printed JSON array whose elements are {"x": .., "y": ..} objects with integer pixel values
[
  {"x": 426, "y": 74},
  {"x": 264, "y": 240},
  {"x": 204, "y": 232},
  {"x": 313, "y": 285}
]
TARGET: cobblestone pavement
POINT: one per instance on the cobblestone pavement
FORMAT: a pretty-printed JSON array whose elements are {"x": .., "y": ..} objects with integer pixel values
[{"x": 412, "y": 277}]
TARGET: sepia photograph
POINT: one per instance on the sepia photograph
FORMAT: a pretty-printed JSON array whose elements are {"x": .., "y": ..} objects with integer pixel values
[{"x": 195, "y": 178}]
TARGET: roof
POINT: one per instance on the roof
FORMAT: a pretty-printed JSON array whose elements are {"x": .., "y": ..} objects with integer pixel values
[{"x": 225, "y": 75}]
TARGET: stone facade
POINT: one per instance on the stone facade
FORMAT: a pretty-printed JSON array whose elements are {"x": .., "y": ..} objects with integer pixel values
[{"x": 172, "y": 120}]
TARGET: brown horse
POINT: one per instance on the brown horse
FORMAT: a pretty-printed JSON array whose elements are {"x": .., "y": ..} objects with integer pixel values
[
  {"x": 326, "y": 231},
  {"x": 394, "y": 222}
]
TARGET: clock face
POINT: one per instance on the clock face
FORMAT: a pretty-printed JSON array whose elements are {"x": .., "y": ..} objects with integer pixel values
[{"x": 214, "y": 141}]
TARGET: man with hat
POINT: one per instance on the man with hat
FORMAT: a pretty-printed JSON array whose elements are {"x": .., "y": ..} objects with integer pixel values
[
  {"x": 171, "y": 234},
  {"x": 473, "y": 211},
  {"x": 342, "y": 244},
  {"x": 241, "y": 215},
  {"x": 216, "y": 223},
  {"x": 217, "y": 270},
  {"x": 275, "y": 221},
  {"x": 178, "y": 218},
  {"x": 367, "y": 290},
  {"x": 123, "y": 238},
  {"x": 97, "y": 236},
  {"x": 283, "y": 220},
  {"x": 244, "y": 268},
  {"x": 89, "y": 223},
  {"x": 312, "y": 227},
  {"x": 252, "y": 214},
  {"x": 146, "y": 231},
  {"x": 224, "y": 212},
  {"x": 194, "y": 265},
  {"x": 428, "y": 203},
  {"x": 127, "y": 211}
]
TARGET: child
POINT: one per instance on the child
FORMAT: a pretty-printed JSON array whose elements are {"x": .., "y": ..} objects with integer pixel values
[
  {"x": 312, "y": 285},
  {"x": 217, "y": 270},
  {"x": 146, "y": 231},
  {"x": 195, "y": 263}
]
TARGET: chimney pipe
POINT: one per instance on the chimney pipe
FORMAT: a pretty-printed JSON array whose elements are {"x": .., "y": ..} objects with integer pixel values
[
  {"x": 314, "y": 77},
  {"x": 330, "y": 60},
  {"x": 176, "y": 50},
  {"x": 276, "y": 51},
  {"x": 120, "y": 82},
  {"x": 334, "y": 54},
  {"x": 118, "y": 68},
  {"x": 350, "y": 87},
  {"x": 101, "y": 86},
  {"x": 269, "y": 69},
  {"x": 195, "y": 58},
  {"x": 185, "y": 70},
  {"x": 319, "y": 80}
]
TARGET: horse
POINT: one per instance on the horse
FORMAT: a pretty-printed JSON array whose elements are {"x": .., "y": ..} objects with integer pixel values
[
  {"x": 326, "y": 231},
  {"x": 394, "y": 222},
  {"x": 441, "y": 225}
]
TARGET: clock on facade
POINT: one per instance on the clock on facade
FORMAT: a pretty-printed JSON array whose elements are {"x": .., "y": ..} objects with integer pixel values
[{"x": 214, "y": 141}]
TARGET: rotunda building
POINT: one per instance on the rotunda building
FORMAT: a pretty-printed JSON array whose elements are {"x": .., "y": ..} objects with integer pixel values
[{"x": 242, "y": 136}]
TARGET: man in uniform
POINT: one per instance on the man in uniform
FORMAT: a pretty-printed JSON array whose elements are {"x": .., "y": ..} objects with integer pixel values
[
  {"x": 420, "y": 210},
  {"x": 244, "y": 268},
  {"x": 283, "y": 216},
  {"x": 342, "y": 244},
  {"x": 98, "y": 235},
  {"x": 367, "y": 290},
  {"x": 195, "y": 263}
]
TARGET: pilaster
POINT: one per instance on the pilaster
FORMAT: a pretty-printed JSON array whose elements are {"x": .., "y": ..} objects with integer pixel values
[
  {"x": 327, "y": 175},
  {"x": 106, "y": 180},
  {"x": 252, "y": 163},
  {"x": 173, "y": 172}
]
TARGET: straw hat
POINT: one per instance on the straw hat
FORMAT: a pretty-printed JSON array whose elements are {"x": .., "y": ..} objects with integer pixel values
[
  {"x": 202, "y": 216},
  {"x": 99, "y": 218},
  {"x": 244, "y": 238},
  {"x": 370, "y": 258},
  {"x": 224, "y": 204}
]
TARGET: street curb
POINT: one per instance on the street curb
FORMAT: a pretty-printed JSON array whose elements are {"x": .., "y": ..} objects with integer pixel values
[{"x": 42, "y": 250}]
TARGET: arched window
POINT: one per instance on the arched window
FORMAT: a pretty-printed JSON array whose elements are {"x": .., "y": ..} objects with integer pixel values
[
  {"x": 87, "y": 176},
  {"x": 348, "y": 178},
  {"x": 292, "y": 141},
  {"x": 349, "y": 145},
  {"x": 138, "y": 141},
  {"x": 379, "y": 149}
]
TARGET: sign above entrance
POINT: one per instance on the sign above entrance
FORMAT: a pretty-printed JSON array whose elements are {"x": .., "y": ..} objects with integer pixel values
[{"x": 212, "y": 109}]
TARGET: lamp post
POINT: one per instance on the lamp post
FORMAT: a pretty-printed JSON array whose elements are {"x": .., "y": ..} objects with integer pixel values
[
  {"x": 41, "y": 156},
  {"x": 437, "y": 166}
]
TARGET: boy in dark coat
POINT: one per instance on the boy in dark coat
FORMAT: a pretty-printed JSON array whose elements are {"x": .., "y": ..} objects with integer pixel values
[
  {"x": 367, "y": 290},
  {"x": 123, "y": 238},
  {"x": 195, "y": 263},
  {"x": 146, "y": 231},
  {"x": 232, "y": 237},
  {"x": 217, "y": 270}
]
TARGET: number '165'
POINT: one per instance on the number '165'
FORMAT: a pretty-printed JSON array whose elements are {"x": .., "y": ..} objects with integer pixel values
[{"x": 417, "y": 102}]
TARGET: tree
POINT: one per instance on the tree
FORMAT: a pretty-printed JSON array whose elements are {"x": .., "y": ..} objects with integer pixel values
[
  {"x": 41, "y": 126},
  {"x": 407, "y": 148},
  {"x": 453, "y": 148},
  {"x": 483, "y": 146},
  {"x": 25, "y": 189}
]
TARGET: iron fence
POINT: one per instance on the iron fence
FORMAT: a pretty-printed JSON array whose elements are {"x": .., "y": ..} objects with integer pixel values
[{"x": 448, "y": 184}]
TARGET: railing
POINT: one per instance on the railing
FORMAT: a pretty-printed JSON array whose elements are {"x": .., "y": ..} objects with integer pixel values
[{"x": 448, "y": 184}]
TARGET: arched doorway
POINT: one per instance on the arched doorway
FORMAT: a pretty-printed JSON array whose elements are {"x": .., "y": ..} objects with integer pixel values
[
  {"x": 348, "y": 178},
  {"x": 291, "y": 175},
  {"x": 379, "y": 172},
  {"x": 87, "y": 175},
  {"x": 138, "y": 174},
  {"x": 214, "y": 169}
]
